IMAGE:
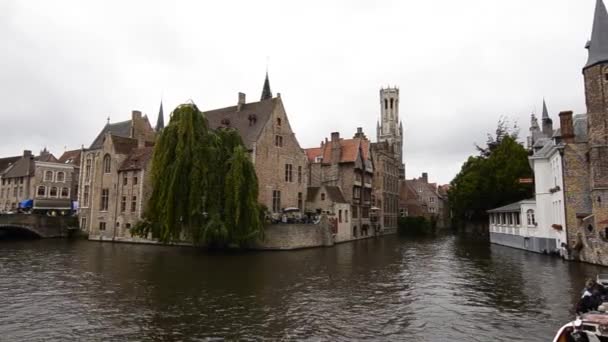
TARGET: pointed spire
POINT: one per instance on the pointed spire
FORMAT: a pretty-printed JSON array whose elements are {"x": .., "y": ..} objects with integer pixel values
[
  {"x": 266, "y": 93},
  {"x": 160, "y": 122},
  {"x": 545, "y": 111},
  {"x": 598, "y": 45}
]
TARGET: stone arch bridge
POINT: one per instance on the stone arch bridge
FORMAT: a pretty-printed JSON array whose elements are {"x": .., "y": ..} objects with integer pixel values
[{"x": 41, "y": 226}]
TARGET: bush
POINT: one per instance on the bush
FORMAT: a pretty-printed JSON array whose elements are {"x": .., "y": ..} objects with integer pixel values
[{"x": 416, "y": 225}]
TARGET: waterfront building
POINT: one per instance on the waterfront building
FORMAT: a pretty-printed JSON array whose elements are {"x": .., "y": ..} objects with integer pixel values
[
  {"x": 546, "y": 162},
  {"x": 115, "y": 182},
  {"x": 73, "y": 158},
  {"x": 515, "y": 225},
  {"x": 421, "y": 198},
  {"x": 585, "y": 154},
  {"x": 280, "y": 163},
  {"x": 386, "y": 185},
  {"x": 42, "y": 179},
  {"x": 347, "y": 164},
  {"x": 330, "y": 201}
]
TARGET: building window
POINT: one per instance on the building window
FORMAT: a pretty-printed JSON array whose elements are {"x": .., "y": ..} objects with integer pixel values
[
  {"x": 288, "y": 173},
  {"x": 278, "y": 141},
  {"x": 125, "y": 180},
  {"x": 123, "y": 204},
  {"x": 385, "y": 103},
  {"x": 510, "y": 218},
  {"x": 590, "y": 228},
  {"x": 365, "y": 212},
  {"x": 300, "y": 206},
  {"x": 339, "y": 216},
  {"x": 357, "y": 193},
  {"x": 60, "y": 177},
  {"x": 432, "y": 199},
  {"x": 41, "y": 191},
  {"x": 392, "y": 101},
  {"x": 322, "y": 196},
  {"x": 355, "y": 211},
  {"x": 299, "y": 174},
  {"x": 355, "y": 231},
  {"x": 346, "y": 216},
  {"x": 83, "y": 223},
  {"x": 128, "y": 226},
  {"x": 133, "y": 203},
  {"x": 102, "y": 226},
  {"x": 278, "y": 121},
  {"x": 517, "y": 219},
  {"x": 87, "y": 170},
  {"x": 134, "y": 180},
  {"x": 276, "y": 201},
  {"x": 65, "y": 192},
  {"x": 48, "y": 176},
  {"x": 85, "y": 196},
  {"x": 530, "y": 217},
  {"x": 20, "y": 191},
  {"x": 15, "y": 191},
  {"x": 105, "y": 196},
  {"x": 107, "y": 164},
  {"x": 53, "y": 192}
]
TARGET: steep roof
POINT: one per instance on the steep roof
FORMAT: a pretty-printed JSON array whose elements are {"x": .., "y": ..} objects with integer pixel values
[
  {"x": 70, "y": 157},
  {"x": 333, "y": 193},
  {"x": 545, "y": 111},
  {"x": 6, "y": 162},
  {"x": 266, "y": 93},
  {"x": 160, "y": 121},
  {"x": 249, "y": 120},
  {"x": 123, "y": 145},
  {"x": 598, "y": 45},
  {"x": 137, "y": 159},
  {"x": 24, "y": 167},
  {"x": 46, "y": 157},
  {"x": 349, "y": 150},
  {"x": 313, "y": 153},
  {"x": 122, "y": 129}
]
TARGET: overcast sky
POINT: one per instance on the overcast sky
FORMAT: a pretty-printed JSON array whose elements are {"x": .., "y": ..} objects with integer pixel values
[{"x": 65, "y": 66}]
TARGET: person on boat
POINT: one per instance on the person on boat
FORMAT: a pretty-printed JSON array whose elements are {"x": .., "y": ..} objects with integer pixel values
[
  {"x": 579, "y": 335},
  {"x": 591, "y": 298}
]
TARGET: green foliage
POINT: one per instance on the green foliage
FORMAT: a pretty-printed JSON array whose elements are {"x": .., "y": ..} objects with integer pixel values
[
  {"x": 204, "y": 186},
  {"x": 416, "y": 226},
  {"x": 491, "y": 179}
]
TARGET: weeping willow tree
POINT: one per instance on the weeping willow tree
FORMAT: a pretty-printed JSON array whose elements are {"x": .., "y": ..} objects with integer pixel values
[{"x": 204, "y": 186}]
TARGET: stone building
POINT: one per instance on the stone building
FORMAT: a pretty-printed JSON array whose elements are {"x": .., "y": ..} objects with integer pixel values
[
  {"x": 114, "y": 181},
  {"x": 329, "y": 200},
  {"x": 42, "y": 179},
  {"x": 73, "y": 158},
  {"x": 347, "y": 164},
  {"x": 386, "y": 185},
  {"x": 280, "y": 163},
  {"x": 585, "y": 154},
  {"x": 431, "y": 202}
]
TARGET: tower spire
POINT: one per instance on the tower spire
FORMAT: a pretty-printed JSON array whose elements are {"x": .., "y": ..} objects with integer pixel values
[
  {"x": 545, "y": 111},
  {"x": 598, "y": 45},
  {"x": 160, "y": 122},
  {"x": 266, "y": 93}
]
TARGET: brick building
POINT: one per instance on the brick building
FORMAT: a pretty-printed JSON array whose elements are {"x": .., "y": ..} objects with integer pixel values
[
  {"x": 585, "y": 154},
  {"x": 425, "y": 199},
  {"x": 43, "y": 179},
  {"x": 280, "y": 163},
  {"x": 386, "y": 185},
  {"x": 347, "y": 164},
  {"x": 114, "y": 181},
  {"x": 329, "y": 200}
]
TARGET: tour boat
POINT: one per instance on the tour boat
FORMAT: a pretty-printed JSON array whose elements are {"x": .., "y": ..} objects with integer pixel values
[{"x": 594, "y": 324}]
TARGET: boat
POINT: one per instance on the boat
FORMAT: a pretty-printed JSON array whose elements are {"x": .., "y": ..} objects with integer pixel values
[{"x": 593, "y": 325}]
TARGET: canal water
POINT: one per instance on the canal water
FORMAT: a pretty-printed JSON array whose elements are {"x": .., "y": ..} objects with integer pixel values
[{"x": 451, "y": 288}]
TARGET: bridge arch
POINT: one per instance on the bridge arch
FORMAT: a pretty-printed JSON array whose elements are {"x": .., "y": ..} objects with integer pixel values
[{"x": 20, "y": 230}]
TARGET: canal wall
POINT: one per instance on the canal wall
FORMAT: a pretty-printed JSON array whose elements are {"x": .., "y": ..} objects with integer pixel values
[
  {"x": 294, "y": 236},
  {"x": 532, "y": 244}
]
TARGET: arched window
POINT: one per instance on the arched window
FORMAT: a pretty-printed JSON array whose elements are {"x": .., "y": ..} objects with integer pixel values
[
  {"x": 392, "y": 102},
  {"x": 278, "y": 121},
  {"x": 53, "y": 192},
  {"x": 322, "y": 197},
  {"x": 48, "y": 176},
  {"x": 65, "y": 192},
  {"x": 385, "y": 104},
  {"x": 60, "y": 177},
  {"x": 531, "y": 218},
  {"x": 107, "y": 164},
  {"x": 87, "y": 170},
  {"x": 41, "y": 191}
]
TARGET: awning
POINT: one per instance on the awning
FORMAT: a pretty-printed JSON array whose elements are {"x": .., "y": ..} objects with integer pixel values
[
  {"x": 26, "y": 204},
  {"x": 53, "y": 203}
]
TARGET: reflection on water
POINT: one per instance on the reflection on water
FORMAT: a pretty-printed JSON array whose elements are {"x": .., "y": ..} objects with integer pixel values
[{"x": 449, "y": 288}]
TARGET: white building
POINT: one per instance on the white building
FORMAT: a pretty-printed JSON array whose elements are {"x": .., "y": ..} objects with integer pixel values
[
  {"x": 515, "y": 225},
  {"x": 546, "y": 163}
]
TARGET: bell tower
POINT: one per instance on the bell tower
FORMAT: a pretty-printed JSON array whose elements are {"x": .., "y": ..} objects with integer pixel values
[
  {"x": 390, "y": 128},
  {"x": 595, "y": 74}
]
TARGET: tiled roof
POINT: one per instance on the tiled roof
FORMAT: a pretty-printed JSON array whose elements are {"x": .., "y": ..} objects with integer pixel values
[
  {"x": 137, "y": 159},
  {"x": 46, "y": 157},
  {"x": 123, "y": 145},
  {"x": 24, "y": 167},
  {"x": 313, "y": 153},
  {"x": 349, "y": 150},
  {"x": 122, "y": 129},
  {"x": 70, "y": 157},
  {"x": 6, "y": 162},
  {"x": 248, "y": 121}
]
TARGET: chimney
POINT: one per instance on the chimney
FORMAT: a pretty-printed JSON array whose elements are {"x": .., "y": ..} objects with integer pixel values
[
  {"x": 135, "y": 115},
  {"x": 425, "y": 177},
  {"x": 566, "y": 126},
  {"x": 27, "y": 153},
  {"x": 335, "y": 147},
  {"x": 241, "y": 103},
  {"x": 279, "y": 95},
  {"x": 360, "y": 133}
]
